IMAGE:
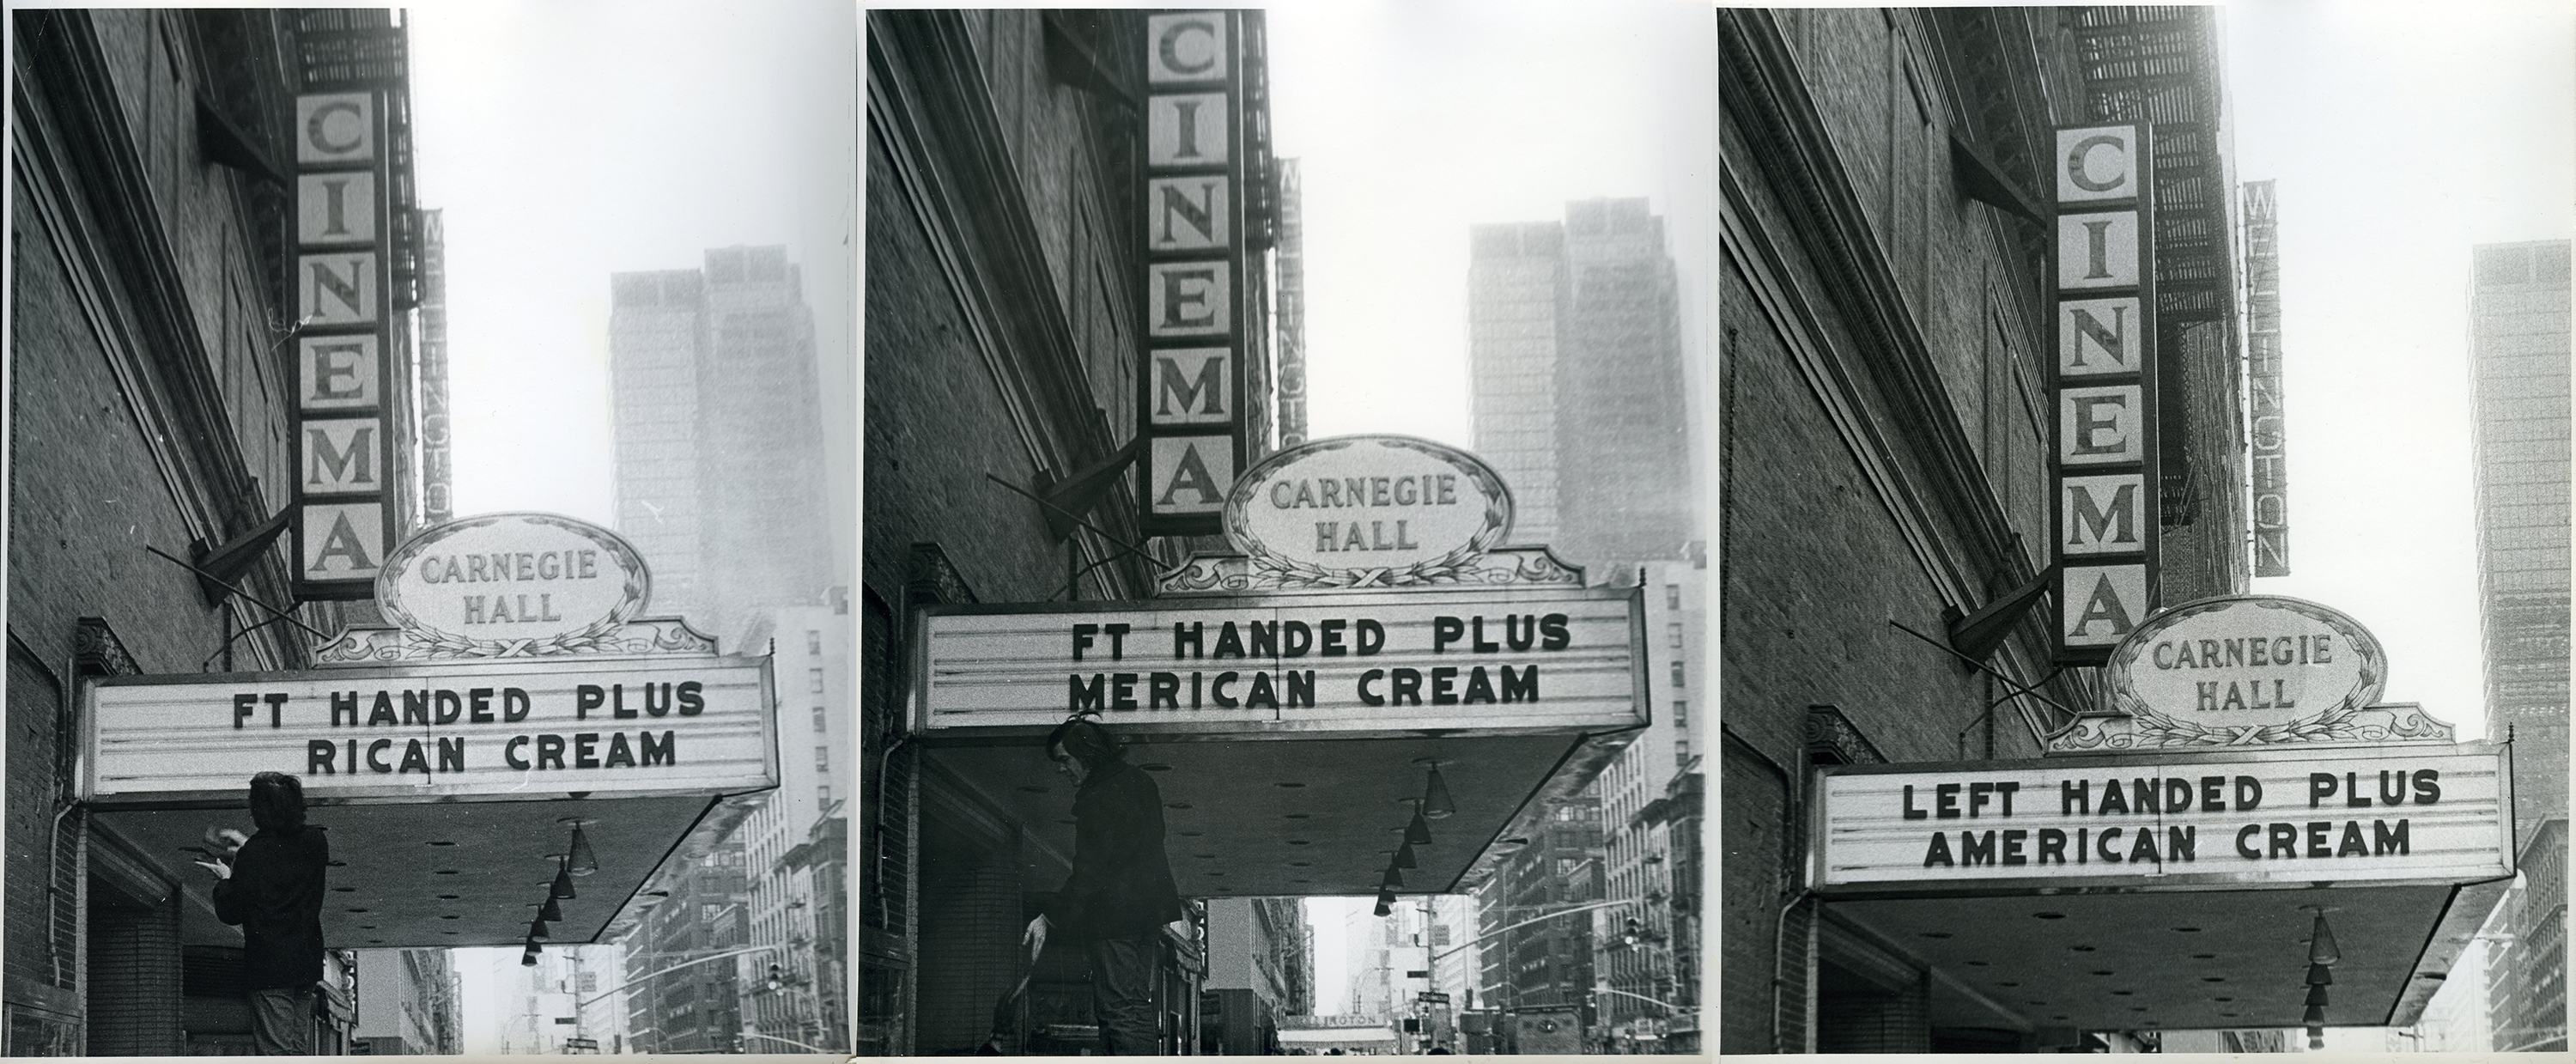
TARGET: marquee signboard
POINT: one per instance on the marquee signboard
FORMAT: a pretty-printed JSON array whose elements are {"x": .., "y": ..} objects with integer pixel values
[
  {"x": 1551, "y": 660},
  {"x": 494, "y": 728},
  {"x": 513, "y": 583},
  {"x": 1368, "y": 511},
  {"x": 2104, "y": 439},
  {"x": 2206, "y": 821}
]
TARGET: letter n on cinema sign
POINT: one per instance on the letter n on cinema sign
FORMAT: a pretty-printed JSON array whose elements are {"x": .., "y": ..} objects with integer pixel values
[{"x": 2104, "y": 477}]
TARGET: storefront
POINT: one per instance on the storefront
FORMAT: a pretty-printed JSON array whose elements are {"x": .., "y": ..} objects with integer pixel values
[
  {"x": 488, "y": 774},
  {"x": 2197, "y": 856}
]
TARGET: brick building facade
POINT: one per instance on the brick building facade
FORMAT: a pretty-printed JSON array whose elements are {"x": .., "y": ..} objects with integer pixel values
[
  {"x": 150, "y": 265},
  {"x": 1884, "y": 439},
  {"x": 1002, "y": 282}
]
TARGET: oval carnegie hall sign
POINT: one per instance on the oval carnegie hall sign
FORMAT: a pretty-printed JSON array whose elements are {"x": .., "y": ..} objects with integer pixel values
[
  {"x": 514, "y": 583},
  {"x": 1368, "y": 511},
  {"x": 2246, "y": 669}
]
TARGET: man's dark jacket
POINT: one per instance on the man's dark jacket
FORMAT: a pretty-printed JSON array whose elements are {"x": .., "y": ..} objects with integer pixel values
[
  {"x": 1121, "y": 885},
  {"x": 275, "y": 894}
]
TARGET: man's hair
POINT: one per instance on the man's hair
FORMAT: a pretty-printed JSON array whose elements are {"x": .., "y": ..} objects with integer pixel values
[
  {"x": 277, "y": 802},
  {"x": 1086, "y": 742}
]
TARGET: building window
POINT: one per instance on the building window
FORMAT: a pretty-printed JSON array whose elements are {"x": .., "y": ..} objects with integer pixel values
[
  {"x": 1677, "y": 675},
  {"x": 1681, "y": 713},
  {"x": 1674, "y": 631},
  {"x": 822, "y": 759},
  {"x": 1681, "y": 752},
  {"x": 820, "y": 723},
  {"x": 814, "y": 678},
  {"x": 823, "y": 796},
  {"x": 814, "y": 642},
  {"x": 1672, "y": 596}
]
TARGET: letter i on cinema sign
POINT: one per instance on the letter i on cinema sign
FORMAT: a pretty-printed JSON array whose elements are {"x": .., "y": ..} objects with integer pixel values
[
  {"x": 1190, "y": 406},
  {"x": 342, "y": 281},
  {"x": 2104, "y": 476}
]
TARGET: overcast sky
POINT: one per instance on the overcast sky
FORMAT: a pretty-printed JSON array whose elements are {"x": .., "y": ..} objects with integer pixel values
[{"x": 2400, "y": 135}]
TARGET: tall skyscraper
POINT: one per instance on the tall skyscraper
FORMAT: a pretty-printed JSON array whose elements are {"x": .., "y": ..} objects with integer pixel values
[
  {"x": 2518, "y": 323},
  {"x": 721, "y": 486},
  {"x": 1582, "y": 404},
  {"x": 720, "y": 482},
  {"x": 1574, "y": 338}
]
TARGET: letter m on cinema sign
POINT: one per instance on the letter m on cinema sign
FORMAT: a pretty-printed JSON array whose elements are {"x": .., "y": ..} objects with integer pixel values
[{"x": 2103, "y": 476}]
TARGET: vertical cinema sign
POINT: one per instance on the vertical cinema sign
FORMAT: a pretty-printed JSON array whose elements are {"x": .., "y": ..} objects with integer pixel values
[
  {"x": 2104, "y": 471},
  {"x": 1190, "y": 410},
  {"x": 343, "y": 281}
]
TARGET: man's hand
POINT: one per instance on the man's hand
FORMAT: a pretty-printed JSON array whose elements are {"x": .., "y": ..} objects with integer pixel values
[
  {"x": 1035, "y": 938},
  {"x": 219, "y": 868}
]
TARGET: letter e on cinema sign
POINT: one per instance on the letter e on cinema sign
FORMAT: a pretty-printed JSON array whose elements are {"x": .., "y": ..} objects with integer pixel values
[{"x": 2104, "y": 473}]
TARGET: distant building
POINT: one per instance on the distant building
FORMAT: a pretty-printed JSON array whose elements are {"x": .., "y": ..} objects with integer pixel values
[
  {"x": 407, "y": 1003},
  {"x": 1549, "y": 963},
  {"x": 696, "y": 1008},
  {"x": 793, "y": 899},
  {"x": 721, "y": 487},
  {"x": 2518, "y": 323},
  {"x": 1583, "y": 405},
  {"x": 720, "y": 482},
  {"x": 1574, "y": 342},
  {"x": 1261, "y": 968}
]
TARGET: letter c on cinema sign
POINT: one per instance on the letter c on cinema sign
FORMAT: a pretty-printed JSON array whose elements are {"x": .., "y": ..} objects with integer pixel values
[
  {"x": 317, "y": 128},
  {"x": 1168, "y": 45},
  {"x": 2079, "y": 163}
]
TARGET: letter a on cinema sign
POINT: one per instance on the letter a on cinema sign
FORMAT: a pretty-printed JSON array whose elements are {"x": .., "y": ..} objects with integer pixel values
[{"x": 2104, "y": 475}]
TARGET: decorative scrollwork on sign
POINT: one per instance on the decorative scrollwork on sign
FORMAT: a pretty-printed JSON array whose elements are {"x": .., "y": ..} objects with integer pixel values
[
  {"x": 385, "y": 646},
  {"x": 1237, "y": 574}
]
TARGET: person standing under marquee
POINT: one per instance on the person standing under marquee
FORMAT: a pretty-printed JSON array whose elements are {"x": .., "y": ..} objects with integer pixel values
[
  {"x": 1120, "y": 894},
  {"x": 272, "y": 886}
]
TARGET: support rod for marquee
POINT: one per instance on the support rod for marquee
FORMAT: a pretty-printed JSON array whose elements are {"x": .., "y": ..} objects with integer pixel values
[
  {"x": 246, "y": 596},
  {"x": 1977, "y": 665},
  {"x": 1076, "y": 519}
]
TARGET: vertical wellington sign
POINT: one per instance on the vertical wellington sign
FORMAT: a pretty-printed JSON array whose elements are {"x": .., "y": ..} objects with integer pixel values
[
  {"x": 2263, "y": 373},
  {"x": 343, "y": 376},
  {"x": 2104, "y": 432},
  {"x": 1191, "y": 405}
]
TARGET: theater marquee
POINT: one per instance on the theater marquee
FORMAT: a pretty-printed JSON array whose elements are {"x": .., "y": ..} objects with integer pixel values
[
  {"x": 2178, "y": 821},
  {"x": 1493, "y": 660},
  {"x": 481, "y": 729}
]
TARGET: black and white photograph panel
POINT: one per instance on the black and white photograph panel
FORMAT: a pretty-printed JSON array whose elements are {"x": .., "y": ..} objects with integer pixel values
[
  {"x": 2143, "y": 441},
  {"x": 430, "y": 526},
  {"x": 1281, "y": 590}
]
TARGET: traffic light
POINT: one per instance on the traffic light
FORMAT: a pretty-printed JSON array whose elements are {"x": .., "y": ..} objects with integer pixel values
[{"x": 1635, "y": 930}]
